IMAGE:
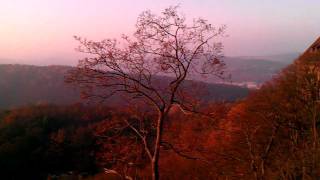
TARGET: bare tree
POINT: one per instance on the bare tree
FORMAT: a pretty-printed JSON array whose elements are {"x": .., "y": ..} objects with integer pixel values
[{"x": 162, "y": 45}]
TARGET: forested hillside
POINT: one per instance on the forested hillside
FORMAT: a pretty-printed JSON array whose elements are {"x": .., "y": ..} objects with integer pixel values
[{"x": 273, "y": 134}]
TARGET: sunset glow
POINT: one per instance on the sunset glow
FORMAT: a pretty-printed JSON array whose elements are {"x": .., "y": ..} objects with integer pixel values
[{"x": 41, "y": 31}]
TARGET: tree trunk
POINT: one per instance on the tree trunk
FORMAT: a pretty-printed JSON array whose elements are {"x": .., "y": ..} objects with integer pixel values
[
  {"x": 155, "y": 170},
  {"x": 156, "y": 154}
]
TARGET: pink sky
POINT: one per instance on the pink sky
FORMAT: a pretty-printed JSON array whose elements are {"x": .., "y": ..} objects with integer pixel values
[{"x": 41, "y": 31}]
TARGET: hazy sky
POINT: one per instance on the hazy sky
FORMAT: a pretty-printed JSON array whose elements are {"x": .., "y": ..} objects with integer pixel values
[{"x": 41, "y": 31}]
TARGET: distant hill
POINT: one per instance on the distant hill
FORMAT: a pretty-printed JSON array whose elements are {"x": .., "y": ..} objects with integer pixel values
[
  {"x": 286, "y": 58},
  {"x": 246, "y": 70},
  {"x": 252, "y": 70},
  {"x": 25, "y": 84}
]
